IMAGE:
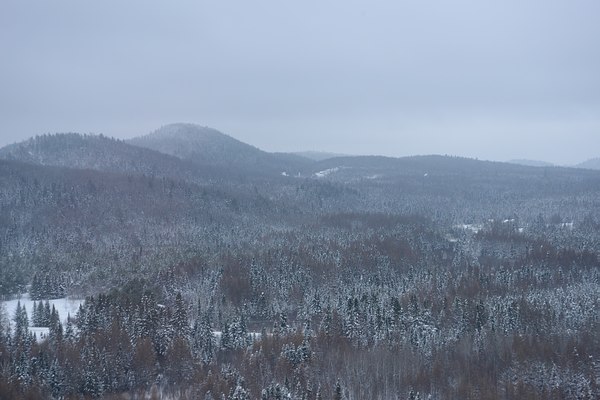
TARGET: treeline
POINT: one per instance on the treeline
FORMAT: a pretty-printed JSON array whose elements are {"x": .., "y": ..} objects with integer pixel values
[{"x": 46, "y": 285}]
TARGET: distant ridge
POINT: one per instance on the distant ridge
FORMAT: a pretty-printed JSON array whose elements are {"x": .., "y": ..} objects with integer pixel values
[
  {"x": 319, "y": 155},
  {"x": 194, "y": 142},
  {"x": 194, "y": 153},
  {"x": 207, "y": 146},
  {"x": 97, "y": 152},
  {"x": 531, "y": 163},
  {"x": 593, "y": 163}
]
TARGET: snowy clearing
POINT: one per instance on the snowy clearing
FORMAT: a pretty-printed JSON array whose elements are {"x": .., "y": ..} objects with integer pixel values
[
  {"x": 253, "y": 335},
  {"x": 324, "y": 173},
  {"x": 65, "y": 306}
]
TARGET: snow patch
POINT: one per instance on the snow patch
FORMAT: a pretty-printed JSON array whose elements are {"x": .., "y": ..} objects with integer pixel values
[
  {"x": 376, "y": 176},
  {"x": 65, "y": 306},
  {"x": 40, "y": 332},
  {"x": 567, "y": 225},
  {"x": 470, "y": 227},
  {"x": 253, "y": 335},
  {"x": 324, "y": 173},
  {"x": 451, "y": 238}
]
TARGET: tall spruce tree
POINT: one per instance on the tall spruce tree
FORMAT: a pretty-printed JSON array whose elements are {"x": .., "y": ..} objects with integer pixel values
[{"x": 180, "y": 320}]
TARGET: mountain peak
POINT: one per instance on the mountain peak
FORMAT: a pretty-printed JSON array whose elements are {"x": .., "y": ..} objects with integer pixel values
[
  {"x": 193, "y": 142},
  {"x": 592, "y": 163},
  {"x": 207, "y": 146},
  {"x": 186, "y": 130}
]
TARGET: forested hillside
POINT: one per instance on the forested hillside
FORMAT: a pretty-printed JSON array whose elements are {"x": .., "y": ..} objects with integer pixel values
[
  {"x": 205, "y": 146},
  {"x": 213, "y": 275}
]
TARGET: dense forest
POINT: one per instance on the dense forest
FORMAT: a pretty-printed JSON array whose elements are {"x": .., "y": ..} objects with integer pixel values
[{"x": 273, "y": 276}]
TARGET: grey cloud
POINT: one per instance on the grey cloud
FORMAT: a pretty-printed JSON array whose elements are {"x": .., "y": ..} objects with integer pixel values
[{"x": 391, "y": 77}]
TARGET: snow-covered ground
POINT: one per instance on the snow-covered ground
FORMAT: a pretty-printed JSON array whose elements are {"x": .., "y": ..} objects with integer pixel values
[
  {"x": 376, "y": 176},
  {"x": 253, "y": 335},
  {"x": 324, "y": 173},
  {"x": 40, "y": 332},
  {"x": 470, "y": 227},
  {"x": 64, "y": 306},
  {"x": 567, "y": 225}
]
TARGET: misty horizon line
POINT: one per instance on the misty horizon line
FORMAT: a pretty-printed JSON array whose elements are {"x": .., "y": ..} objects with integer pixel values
[{"x": 532, "y": 162}]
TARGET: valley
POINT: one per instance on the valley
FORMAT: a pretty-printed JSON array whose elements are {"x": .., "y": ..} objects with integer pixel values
[{"x": 208, "y": 268}]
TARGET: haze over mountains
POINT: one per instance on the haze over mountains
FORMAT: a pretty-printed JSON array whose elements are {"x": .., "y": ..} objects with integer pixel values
[
  {"x": 531, "y": 163},
  {"x": 100, "y": 153},
  {"x": 177, "y": 150},
  {"x": 593, "y": 163},
  {"x": 206, "y": 146}
]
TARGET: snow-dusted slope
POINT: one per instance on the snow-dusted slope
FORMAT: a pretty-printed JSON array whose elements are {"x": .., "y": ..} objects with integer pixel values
[
  {"x": 206, "y": 146},
  {"x": 100, "y": 153}
]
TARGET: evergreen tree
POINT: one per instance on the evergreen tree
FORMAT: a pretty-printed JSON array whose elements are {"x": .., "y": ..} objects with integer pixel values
[
  {"x": 21, "y": 335},
  {"x": 35, "y": 290},
  {"x": 337, "y": 392},
  {"x": 35, "y": 317},
  {"x": 275, "y": 392},
  {"x": 180, "y": 318},
  {"x": 318, "y": 395},
  {"x": 240, "y": 392},
  {"x": 280, "y": 327},
  {"x": 240, "y": 332},
  {"x": 56, "y": 380},
  {"x": 69, "y": 335},
  {"x": 46, "y": 314},
  {"x": 327, "y": 322},
  {"x": 148, "y": 316},
  {"x": 481, "y": 315},
  {"x": 92, "y": 385},
  {"x": 203, "y": 339},
  {"x": 163, "y": 333},
  {"x": 235, "y": 333},
  {"x": 56, "y": 331},
  {"x": 22, "y": 368},
  {"x": 4, "y": 325},
  {"x": 226, "y": 339}
]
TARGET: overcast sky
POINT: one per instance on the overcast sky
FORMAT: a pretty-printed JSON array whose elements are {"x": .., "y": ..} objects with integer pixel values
[{"x": 489, "y": 79}]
